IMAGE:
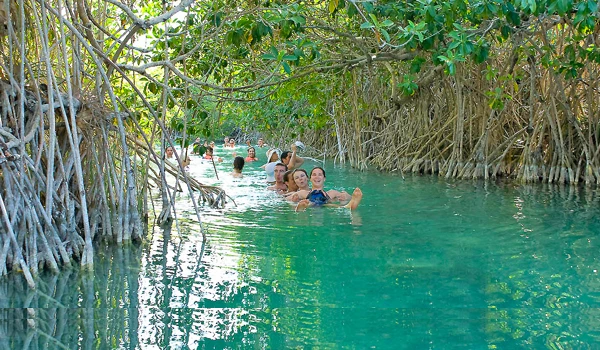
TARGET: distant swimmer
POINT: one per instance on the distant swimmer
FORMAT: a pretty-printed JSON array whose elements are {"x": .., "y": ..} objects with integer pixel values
[
  {"x": 209, "y": 155},
  {"x": 238, "y": 165},
  {"x": 170, "y": 157},
  {"x": 261, "y": 143},
  {"x": 251, "y": 155}
]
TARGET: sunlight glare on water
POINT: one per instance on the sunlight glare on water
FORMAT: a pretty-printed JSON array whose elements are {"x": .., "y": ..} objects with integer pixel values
[{"x": 424, "y": 262}]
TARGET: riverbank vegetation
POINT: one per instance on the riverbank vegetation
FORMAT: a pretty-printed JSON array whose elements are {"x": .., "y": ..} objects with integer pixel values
[{"x": 93, "y": 91}]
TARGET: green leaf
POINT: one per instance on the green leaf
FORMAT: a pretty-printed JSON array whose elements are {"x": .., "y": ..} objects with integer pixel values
[
  {"x": 290, "y": 58},
  {"x": 352, "y": 9},
  {"x": 374, "y": 19},
  {"x": 366, "y": 25},
  {"x": 191, "y": 104},
  {"x": 268, "y": 56},
  {"x": 286, "y": 67},
  {"x": 386, "y": 35},
  {"x": 152, "y": 87},
  {"x": 333, "y": 4},
  {"x": 387, "y": 23},
  {"x": 299, "y": 20}
]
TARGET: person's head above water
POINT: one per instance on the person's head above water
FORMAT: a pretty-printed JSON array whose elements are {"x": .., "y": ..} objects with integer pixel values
[
  {"x": 261, "y": 142},
  {"x": 238, "y": 163},
  {"x": 280, "y": 169},
  {"x": 288, "y": 179},
  {"x": 169, "y": 152},
  {"x": 251, "y": 152},
  {"x": 301, "y": 179},
  {"x": 273, "y": 155},
  {"x": 285, "y": 157},
  {"x": 231, "y": 142},
  {"x": 317, "y": 177}
]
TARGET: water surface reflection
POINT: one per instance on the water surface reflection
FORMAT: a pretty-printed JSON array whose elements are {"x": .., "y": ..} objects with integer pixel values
[{"x": 424, "y": 263}]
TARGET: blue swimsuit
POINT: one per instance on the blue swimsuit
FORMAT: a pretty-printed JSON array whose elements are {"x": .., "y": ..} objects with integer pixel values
[{"x": 318, "y": 197}]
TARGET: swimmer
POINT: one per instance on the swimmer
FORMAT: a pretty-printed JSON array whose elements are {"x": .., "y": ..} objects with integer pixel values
[
  {"x": 288, "y": 179},
  {"x": 169, "y": 152},
  {"x": 352, "y": 205},
  {"x": 170, "y": 157},
  {"x": 209, "y": 155},
  {"x": 251, "y": 155},
  {"x": 291, "y": 159},
  {"x": 272, "y": 160},
  {"x": 279, "y": 185},
  {"x": 261, "y": 143},
  {"x": 300, "y": 178},
  {"x": 238, "y": 165},
  {"x": 318, "y": 196}
]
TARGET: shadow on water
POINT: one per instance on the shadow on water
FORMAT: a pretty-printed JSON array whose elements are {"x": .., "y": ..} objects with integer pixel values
[{"x": 424, "y": 262}]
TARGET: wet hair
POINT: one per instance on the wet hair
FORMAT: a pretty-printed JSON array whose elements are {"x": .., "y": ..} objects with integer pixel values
[
  {"x": 281, "y": 164},
  {"x": 285, "y": 154},
  {"x": 251, "y": 148},
  {"x": 300, "y": 170},
  {"x": 317, "y": 167},
  {"x": 238, "y": 163},
  {"x": 209, "y": 149},
  {"x": 286, "y": 175}
]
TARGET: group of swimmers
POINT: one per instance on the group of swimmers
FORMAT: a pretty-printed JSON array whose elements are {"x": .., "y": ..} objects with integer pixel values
[
  {"x": 285, "y": 176},
  {"x": 294, "y": 186}
]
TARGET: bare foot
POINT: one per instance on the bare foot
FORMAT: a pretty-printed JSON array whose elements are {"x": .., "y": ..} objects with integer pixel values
[
  {"x": 302, "y": 205},
  {"x": 356, "y": 198}
]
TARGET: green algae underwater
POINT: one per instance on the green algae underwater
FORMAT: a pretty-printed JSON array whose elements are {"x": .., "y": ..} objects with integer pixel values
[{"x": 424, "y": 262}]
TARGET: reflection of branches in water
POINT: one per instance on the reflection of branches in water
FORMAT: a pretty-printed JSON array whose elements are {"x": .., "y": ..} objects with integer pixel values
[
  {"x": 75, "y": 309},
  {"x": 168, "y": 282}
]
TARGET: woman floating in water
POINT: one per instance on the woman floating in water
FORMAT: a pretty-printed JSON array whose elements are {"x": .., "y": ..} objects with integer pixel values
[{"x": 319, "y": 197}]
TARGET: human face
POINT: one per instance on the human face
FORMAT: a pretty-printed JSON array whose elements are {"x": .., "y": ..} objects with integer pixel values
[
  {"x": 261, "y": 142},
  {"x": 169, "y": 152},
  {"x": 251, "y": 153},
  {"x": 226, "y": 140},
  {"x": 212, "y": 144},
  {"x": 279, "y": 171},
  {"x": 291, "y": 184},
  {"x": 287, "y": 159},
  {"x": 231, "y": 142},
  {"x": 317, "y": 178},
  {"x": 300, "y": 179}
]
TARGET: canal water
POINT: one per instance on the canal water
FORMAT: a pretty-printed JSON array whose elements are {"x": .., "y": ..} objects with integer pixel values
[{"x": 424, "y": 263}]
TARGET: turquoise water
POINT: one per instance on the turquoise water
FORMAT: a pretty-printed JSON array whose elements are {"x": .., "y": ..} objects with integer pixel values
[{"x": 424, "y": 263}]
